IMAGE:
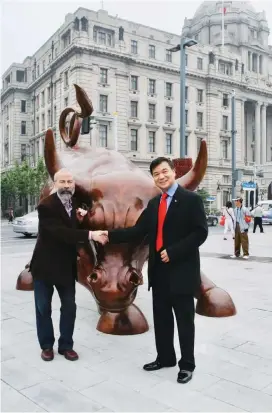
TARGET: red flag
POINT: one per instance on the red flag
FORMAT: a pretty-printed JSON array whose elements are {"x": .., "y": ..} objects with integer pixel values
[{"x": 224, "y": 10}]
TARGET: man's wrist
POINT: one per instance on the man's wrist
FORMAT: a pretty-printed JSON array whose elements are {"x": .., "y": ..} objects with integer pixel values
[{"x": 90, "y": 235}]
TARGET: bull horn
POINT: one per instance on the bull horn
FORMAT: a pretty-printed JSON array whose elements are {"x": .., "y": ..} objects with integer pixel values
[
  {"x": 193, "y": 178},
  {"x": 51, "y": 158}
]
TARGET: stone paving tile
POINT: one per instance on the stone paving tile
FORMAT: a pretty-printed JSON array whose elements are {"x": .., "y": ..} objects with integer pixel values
[
  {"x": 243, "y": 397},
  {"x": 268, "y": 390},
  {"x": 55, "y": 397},
  {"x": 119, "y": 398},
  {"x": 13, "y": 401}
]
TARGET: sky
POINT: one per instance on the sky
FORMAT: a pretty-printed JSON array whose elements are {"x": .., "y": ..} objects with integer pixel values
[{"x": 25, "y": 25}]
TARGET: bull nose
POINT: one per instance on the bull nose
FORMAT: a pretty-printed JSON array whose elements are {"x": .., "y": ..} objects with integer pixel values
[
  {"x": 93, "y": 277},
  {"x": 135, "y": 278}
]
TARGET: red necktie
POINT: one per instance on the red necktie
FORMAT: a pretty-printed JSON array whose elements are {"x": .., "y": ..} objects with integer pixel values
[{"x": 161, "y": 217}]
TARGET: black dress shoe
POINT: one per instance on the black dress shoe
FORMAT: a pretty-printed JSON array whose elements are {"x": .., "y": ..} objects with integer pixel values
[
  {"x": 156, "y": 365},
  {"x": 184, "y": 376}
]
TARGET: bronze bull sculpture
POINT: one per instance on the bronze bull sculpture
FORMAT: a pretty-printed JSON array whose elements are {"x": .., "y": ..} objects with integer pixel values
[{"x": 117, "y": 192}]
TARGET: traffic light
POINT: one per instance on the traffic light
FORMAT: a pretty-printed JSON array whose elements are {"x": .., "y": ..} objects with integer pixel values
[{"x": 85, "y": 127}]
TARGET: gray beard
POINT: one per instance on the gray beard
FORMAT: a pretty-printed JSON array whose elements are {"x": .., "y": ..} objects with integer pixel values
[{"x": 65, "y": 197}]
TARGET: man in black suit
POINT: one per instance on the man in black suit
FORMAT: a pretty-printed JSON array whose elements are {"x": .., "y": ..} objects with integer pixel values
[
  {"x": 176, "y": 225},
  {"x": 54, "y": 263}
]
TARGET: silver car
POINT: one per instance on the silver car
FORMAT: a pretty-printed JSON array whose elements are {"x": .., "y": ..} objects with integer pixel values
[{"x": 27, "y": 224}]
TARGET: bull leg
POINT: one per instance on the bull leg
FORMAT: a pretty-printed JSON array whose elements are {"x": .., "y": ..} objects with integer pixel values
[
  {"x": 212, "y": 301},
  {"x": 25, "y": 280},
  {"x": 128, "y": 322}
]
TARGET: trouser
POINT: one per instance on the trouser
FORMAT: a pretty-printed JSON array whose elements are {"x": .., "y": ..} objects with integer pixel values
[
  {"x": 241, "y": 238},
  {"x": 229, "y": 227},
  {"x": 258, "y": 222},
  {"x": 43, "y": 293},
  {"x": 164, "y": 302}
]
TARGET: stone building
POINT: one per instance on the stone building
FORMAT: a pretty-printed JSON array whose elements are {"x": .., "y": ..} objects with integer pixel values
[{"x": 133, "y": 81}]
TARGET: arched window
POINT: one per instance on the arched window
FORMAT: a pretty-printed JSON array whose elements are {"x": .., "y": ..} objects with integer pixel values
[
  {"x": 76, "y": 24},
  {"x": 84, "y": 24}
]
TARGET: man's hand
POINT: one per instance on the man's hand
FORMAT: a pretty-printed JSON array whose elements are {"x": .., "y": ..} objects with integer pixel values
[
  {"x": 80, "y": 214},
  {"x": 164, "y": 256},
  {"x": 100, "y": 236}
]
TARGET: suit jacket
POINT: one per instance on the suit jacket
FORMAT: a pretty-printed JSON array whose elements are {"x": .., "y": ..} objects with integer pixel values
[
  {"x": 55, "y": 255},
  {"x": 185, "y": 229}
]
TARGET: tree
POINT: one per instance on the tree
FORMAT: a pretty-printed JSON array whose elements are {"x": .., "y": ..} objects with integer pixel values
[{"x": 204, "y": 194}]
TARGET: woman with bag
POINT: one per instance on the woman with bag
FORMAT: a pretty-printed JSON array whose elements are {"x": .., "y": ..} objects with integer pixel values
[{"x": 229, "y": 220}]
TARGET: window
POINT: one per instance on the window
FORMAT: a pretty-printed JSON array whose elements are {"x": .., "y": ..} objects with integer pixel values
[
  {"x": 198, "y": 143},
  {"x": 248, "y": 60},
  {"x": 43, "y": 121},
  {"x": 199, "y": 117},
  {"x": 186, "y": 60},
  {"x": 134, "y": 140},
  {"x": 37, "y": 149},
  {"x": 43, "y": 65},
  {"x": 20, "y": 76},
  {"x": 261, "y": 64},
  {"x": 65, "y": 102},
  {"x": 38, "y": 124},
  {"x": 56, "y": 52},
  {"x": 152, "y": 111},
  {"x": 23, "y": 127},
  {"x": 134, "y": 46},
  {"x": 225, "y": 123},
  {"x": 168, "y": 142},
  {"x": 168, "y": 56},
  {"x": 225, "y": 179},
  {"x": 224, "y": 68},
  {"x": 66, "y": 80},
  {"x": 134, "y": 82},
  {"x": 186, "y": 145},
  {"x": 152, "y": 86},
  {"x": 84, "y": 24},
  {"x": 225, "y": 149},
  {"x": 48, "y": 94},
  {"x": 32, "y": 127},
  {"x": 254, "y": 63},
  {"x": 186, "y": 117},
  {"x": 199, "y": 63},
  {"x": 199, "y": 95},
  {"x": 49, "y": 58},
  {"x": 168, "y": 88},
  {"x": 23, "y": 152},
  {"x": 49, "y": 118},
  {"x": 168, "y": 114},
  {"x": 76, "y": 24},
  {"x": 43, "y": 98},
  {"x": 103, "y": 75},
  {"x": 55, "y": 114},
  {"x": 225, "y": 100},
  {"x": 134, "y": 109},
  {"x": 66, "y": 39},
  {"x": 151, "y": 141},
  {"x": 186, "y": 92},
  {"x": 103, "y": 37},
  {"x": 103, "y": 103},
  {"x": 152, "y": 51},
  {"x": 103, "y": 136},
  {"x": 23, "y": 106},
  {"x": 55, "y": 90}
]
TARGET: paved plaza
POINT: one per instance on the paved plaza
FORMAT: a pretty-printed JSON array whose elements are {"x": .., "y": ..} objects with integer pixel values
[{"x": 233, "y": 355}]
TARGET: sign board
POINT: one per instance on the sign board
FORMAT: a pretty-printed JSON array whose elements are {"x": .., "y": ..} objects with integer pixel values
[
  {"x": 211, "y": 198},
  {"x": 249, "y": 186}
]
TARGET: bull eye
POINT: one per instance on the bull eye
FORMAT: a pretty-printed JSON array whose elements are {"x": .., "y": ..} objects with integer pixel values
[
  {"x": 134, "y": 278},
  {"x": 93, "y": 277}
]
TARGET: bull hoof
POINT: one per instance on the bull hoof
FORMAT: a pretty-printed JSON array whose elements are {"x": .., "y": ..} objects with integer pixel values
[
  {"x": 25, "y": 281},
  {"x": 215, "y": 303},
  {"x": 128, "y": 322}
]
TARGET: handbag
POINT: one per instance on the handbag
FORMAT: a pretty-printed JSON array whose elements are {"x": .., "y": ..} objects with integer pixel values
[
  {"x": 247, "y": 219},
  {"x": 222, "y": 220}
]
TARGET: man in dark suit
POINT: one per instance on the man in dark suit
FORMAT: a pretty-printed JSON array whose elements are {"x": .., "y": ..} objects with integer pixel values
[
  {"x": 176, "y": 225},
  {"x": 54, "y": 263}
]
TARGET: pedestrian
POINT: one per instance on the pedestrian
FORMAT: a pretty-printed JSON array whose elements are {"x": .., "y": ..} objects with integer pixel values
[
  {"x": 258, "y": 221},
  {"x": 242, "y": 220},
  {"x": 11, "y": 215},
  {"x": 54, "y": 264},
  {"x": 229, "y": 220},
  {"x": 176, "y": 225}
]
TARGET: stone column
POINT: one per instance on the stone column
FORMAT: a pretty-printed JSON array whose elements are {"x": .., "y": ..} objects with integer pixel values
[
  {"x": 257, "y": 133},
  {"x": 264, "y": 138},
  {"x": 242, "y": 133}
]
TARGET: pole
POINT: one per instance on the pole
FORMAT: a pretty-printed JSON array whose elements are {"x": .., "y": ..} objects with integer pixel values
[
  {"x": 233, "y": 146},
  {"x": 223, "y": 25},
  {"x": 182, "y": 98},
  {"x": 254, "y": 180}
]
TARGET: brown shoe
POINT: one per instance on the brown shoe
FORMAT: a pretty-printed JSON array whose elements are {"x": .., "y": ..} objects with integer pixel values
[
  {"x": 47, "y": 354},
  {"x": 69, "y": 354}
]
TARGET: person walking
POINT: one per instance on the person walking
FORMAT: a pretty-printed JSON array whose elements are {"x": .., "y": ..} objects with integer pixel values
[
  {"x": 229, "y": 220},
  {"x": 242, "y": 220},
  {"x": 258, "y": 221}
]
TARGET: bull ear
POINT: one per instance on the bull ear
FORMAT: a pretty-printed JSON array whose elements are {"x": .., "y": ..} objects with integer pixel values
[{"x": 195, "y": 175}]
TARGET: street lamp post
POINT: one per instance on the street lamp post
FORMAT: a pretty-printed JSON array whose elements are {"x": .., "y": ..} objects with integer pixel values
[{"x": 184, "y": 42}]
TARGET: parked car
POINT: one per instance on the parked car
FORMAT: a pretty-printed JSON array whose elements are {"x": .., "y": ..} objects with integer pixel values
[
  {"x": 267, "y": 217},
  {"x": 212, "y": 220},
  {"x": 27, "y": 224}
]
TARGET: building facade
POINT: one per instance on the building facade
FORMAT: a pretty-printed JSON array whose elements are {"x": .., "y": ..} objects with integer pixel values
[{"x": 133, "y": 81}]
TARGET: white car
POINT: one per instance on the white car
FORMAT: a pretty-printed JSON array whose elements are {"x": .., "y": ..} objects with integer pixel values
[{"x": 27, "y": 224}]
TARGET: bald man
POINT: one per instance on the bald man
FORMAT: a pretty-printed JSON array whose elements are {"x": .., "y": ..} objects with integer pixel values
[{"x": 54, "y": 264}]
